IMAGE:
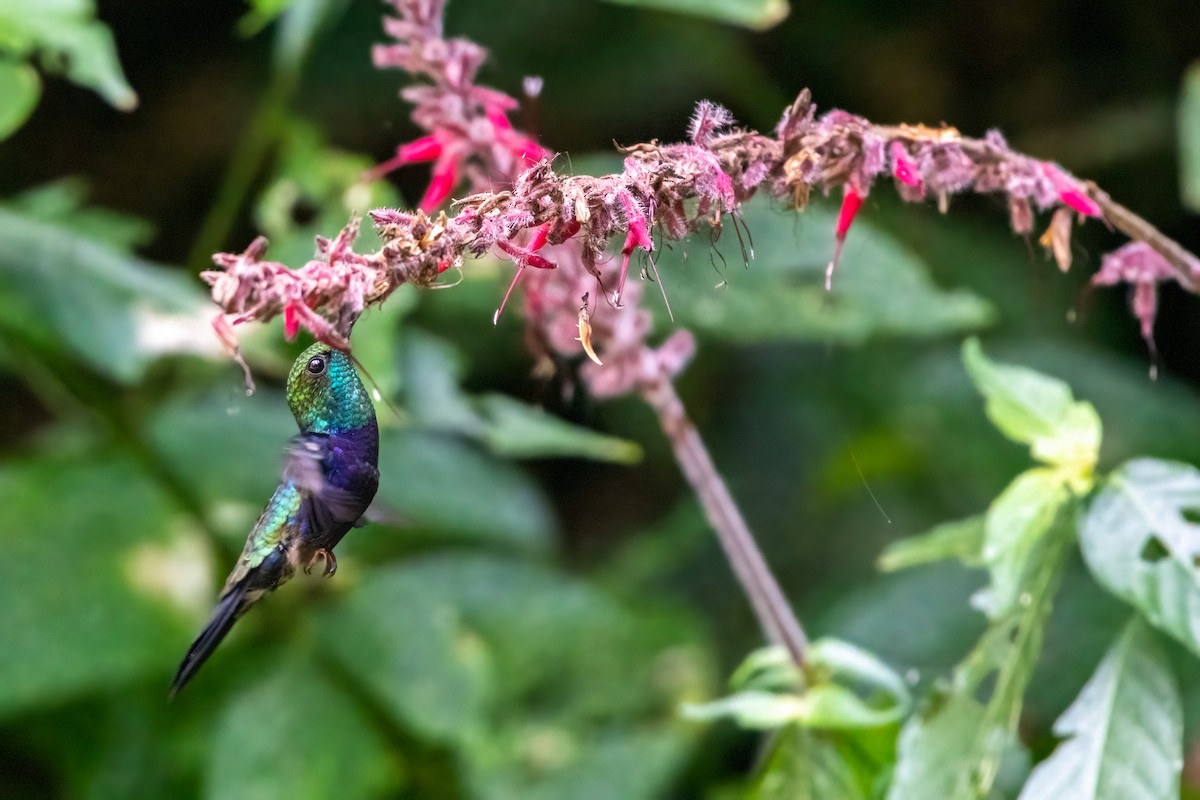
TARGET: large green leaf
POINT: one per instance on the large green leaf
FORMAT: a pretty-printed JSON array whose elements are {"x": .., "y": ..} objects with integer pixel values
[
  {"x": 754, "y": 14},
  {"x": 442, "y": 482},
  {"x": 1013, "y": 527},
  {"x": 113, "y": 311},
  {"x": 432, "y": 377},
  {"x": 807, "y": 765},
  {"x": 1139, "y": 541},
  {"x": 518, "y": 430},
  {"x": 1189, "y": 138},
  {"x": 959, "y": 749},
  {"x": 228, "y": 450},
  {"x": 20, "y": 89},
  {"x": 959, "y": 539},
  {"x": 411, "y": 645},
  {"x": 842, "y": 687},
  {"x": 294, "y": 734},
  {"x": 1124, "y": 733},
  {"x": 880, "y": 288},
  {"x": 68, "y": 38},
  {"x": 547, "y": 762},
  {"x": 1039, "y": 411},
  {"x": 933, "y": 749},
  {"x": 534, "y": 675},
  {"x": 100, "y": 570}
]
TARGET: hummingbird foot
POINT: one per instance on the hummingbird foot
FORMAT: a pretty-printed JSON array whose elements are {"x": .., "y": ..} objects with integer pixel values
[{"x": 323, "y": 555}]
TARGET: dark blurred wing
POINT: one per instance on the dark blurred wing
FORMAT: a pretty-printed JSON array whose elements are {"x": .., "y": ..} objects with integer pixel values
[{"x": 323, "y": 506}]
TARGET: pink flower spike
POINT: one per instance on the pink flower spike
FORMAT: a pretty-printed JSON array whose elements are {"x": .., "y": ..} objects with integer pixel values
[
  {"x": 904, "y": 168},
  {"x": 441, "y": 183},
  {"x": 851, "y": 202}
]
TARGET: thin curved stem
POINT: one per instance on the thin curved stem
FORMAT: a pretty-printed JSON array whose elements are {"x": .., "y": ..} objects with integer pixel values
[{"x": 775, "y": 615}]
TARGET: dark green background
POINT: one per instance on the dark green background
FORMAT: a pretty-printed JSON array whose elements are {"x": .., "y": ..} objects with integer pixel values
[{"x": 612, "y": 601}]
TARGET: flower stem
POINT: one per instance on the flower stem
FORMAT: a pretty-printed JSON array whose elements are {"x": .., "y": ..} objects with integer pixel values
[{"x": 770, "y": 605}]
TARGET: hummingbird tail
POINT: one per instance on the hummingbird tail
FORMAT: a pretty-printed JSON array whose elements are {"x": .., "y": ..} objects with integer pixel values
[{"x": 226, "y": 613}]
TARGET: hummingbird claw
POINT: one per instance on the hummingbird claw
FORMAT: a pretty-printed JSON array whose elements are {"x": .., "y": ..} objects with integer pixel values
[{"x": 326, "y": 556}]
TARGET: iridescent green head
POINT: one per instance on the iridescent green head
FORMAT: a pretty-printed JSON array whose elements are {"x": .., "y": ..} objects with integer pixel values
[{"x": 325, "y": 393}]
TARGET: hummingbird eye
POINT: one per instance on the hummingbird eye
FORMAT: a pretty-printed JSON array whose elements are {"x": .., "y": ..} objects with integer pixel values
[{"x": 316, "y": 365}]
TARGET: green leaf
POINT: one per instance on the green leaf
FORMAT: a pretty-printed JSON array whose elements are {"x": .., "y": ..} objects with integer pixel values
[
  {"x": 432, "y": 371},
  {"x": 601, "y": 764},
  {"x": 847, "y": 688},
  {"x": 299, "y": 24},
  {"x": 1139, "y": 542},
  {"x": 806, "y": 765},
  {"x": 1033, "y": 409},
  {"x": 754, "y": 14},
  {"x": 69, "y": 40},
  {"x": 413, "y": 648},
  {"x": 294, "y": 734},
  {"x": 100, "y": 576},
  {"x": 20, "y": 89},
  {"x": 959, "y": 749},
  {"x": 446, "y": 484},
  {"x": 1124, "y": 733},
  {"x": 880, "y": 289},
  {"x": 115, "y": 312},
  {"x": 936, "y": 751},
  {"x": 538, "y": 678},
  {"x": 517, "y": 430},
  {"x": 1189, "y": 138},
  {"x": 227, "y": 448},
  {"x": 961, "y": 539},
  {"x": 1015, "y": 524},
  {"x": 63, "y": 203}
]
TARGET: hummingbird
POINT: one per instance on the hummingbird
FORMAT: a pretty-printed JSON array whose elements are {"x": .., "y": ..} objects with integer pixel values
[{"x": 330, "y": 474}]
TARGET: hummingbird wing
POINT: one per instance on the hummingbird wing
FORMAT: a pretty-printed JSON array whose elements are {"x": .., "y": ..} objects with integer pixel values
[{"x": 322, "y": 505}]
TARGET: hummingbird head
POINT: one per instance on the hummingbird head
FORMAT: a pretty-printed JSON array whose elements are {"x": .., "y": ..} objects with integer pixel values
[{"x": 325, "y": 393}]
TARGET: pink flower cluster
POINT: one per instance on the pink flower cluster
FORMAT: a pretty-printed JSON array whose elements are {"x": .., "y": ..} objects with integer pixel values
[
  {"x": 558, "y": 228},
  {"x": 470, "y": 135}
]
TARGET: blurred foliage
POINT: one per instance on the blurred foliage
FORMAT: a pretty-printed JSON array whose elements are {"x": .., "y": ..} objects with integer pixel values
[
  {"x": 538, "y": 600},
  {"x": 756, "y": 14},
  {"x": 65, "y": 38},
  {"x": 1189, "y": 138}
]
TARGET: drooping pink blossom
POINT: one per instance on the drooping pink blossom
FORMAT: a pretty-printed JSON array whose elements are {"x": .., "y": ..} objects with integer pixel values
[{"x": 851, "y": 202}]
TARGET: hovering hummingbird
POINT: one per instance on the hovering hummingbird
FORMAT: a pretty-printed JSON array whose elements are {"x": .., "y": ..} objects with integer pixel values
[{"x": 330, "y": 476}]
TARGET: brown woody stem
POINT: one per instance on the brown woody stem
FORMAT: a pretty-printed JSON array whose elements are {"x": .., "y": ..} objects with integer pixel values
[{"x": 774, "y": 614}]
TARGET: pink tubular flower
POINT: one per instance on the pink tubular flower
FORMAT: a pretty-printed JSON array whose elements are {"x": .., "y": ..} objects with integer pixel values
[
  {"x": 638, "y": 236},
  {"x": 903, "y": 167},
  {"x": 291, "y": 323},
  {"x": 1143, "y": 267},
  {"x": 1070, "y": 192},
  {"x": 524, "y": 257},
  {"x": 441, "y": 183},
  {"x": 426, "y": 148},
  {"x": 851, "y": 202}
]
